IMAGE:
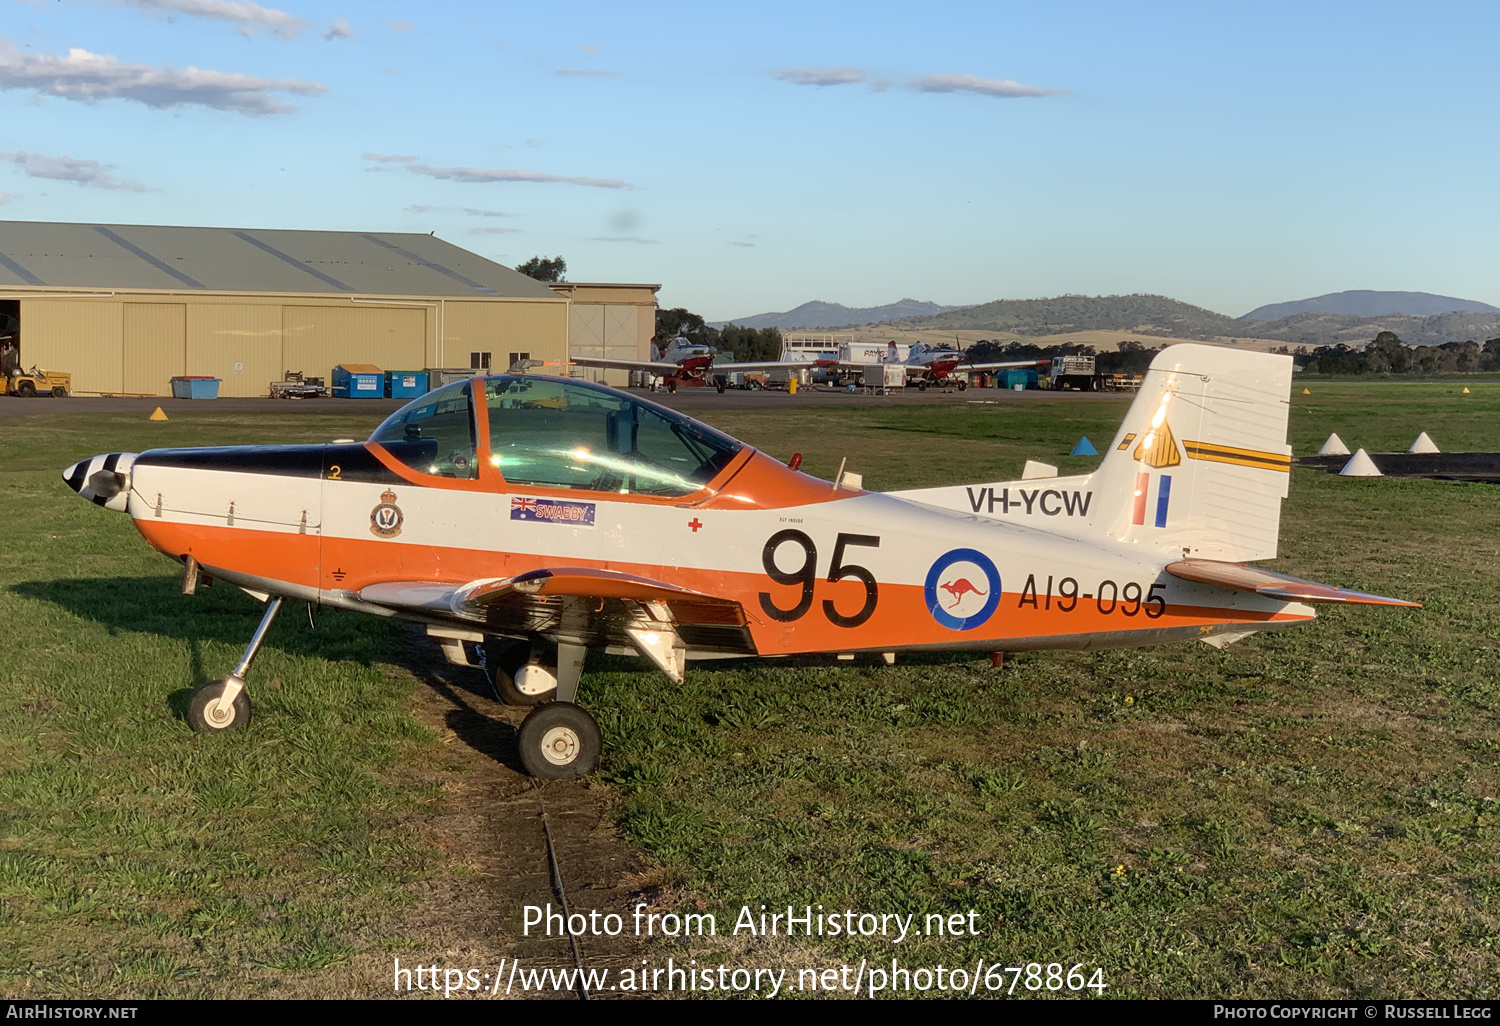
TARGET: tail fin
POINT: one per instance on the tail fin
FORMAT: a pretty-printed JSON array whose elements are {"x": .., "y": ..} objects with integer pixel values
[
  {"x": 1201, "y": 463},
  {"x": 1198, "y": 469}
]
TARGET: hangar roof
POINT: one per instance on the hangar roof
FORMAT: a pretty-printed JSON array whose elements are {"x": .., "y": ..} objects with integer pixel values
[{"x": 156, "y": 257}]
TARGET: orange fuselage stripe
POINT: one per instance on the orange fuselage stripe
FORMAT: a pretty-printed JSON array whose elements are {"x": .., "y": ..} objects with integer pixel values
[{"x": 901, "y": 618}]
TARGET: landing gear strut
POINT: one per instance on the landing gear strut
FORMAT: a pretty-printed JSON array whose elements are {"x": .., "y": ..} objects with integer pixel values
[
  {"x": 559, "y": 740},
  {"x": 222, "y": 705}
]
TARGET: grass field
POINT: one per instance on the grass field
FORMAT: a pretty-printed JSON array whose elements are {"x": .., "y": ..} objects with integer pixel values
[{"x": 1311, "y": 813}]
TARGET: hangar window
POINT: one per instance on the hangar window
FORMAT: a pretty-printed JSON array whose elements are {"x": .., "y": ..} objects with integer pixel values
[
  {"x": 434, "y": 434},
  {"x": 562, "y": 434},
  {"x": 479, "y": 361}
]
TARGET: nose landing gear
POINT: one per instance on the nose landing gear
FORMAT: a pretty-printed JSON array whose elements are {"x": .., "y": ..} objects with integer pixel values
[{"x": 222, "y": 705}]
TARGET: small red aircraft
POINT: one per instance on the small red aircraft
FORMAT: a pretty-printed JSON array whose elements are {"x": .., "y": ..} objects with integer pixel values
[{"x": 527, "y": 519}]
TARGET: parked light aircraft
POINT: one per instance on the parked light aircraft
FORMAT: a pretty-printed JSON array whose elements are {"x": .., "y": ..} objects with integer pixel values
[
  {"x": 683, "y": 362},
  {"x": 528, "y": 519}
]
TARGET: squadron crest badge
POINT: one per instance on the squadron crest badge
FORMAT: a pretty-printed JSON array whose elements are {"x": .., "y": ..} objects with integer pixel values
[{"x": 385, "y": 519}]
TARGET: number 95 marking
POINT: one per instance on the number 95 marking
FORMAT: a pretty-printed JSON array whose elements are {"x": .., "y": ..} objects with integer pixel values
[{"x": 806, "y": 577}]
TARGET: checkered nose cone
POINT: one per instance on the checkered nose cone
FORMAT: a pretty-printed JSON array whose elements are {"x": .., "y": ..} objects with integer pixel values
[{"x": 103, "y": 480}]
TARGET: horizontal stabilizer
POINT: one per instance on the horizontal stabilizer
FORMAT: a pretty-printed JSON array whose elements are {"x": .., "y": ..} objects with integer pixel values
[{"x": 1267, "y": 582}]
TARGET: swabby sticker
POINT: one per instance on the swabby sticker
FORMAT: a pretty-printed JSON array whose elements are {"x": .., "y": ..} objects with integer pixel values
[{"x": 963, "y": 589}]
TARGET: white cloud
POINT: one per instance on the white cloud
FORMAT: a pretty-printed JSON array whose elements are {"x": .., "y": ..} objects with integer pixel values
[
  {"x": 90, "y": 77},
  {"x": 419, "y": 208},
  {"x": 401, "y": 26},
  {"x": 484, "y": 175},
  {"x": 5, "y": 198},
  {"x": 571, "y": 73},
  {"x": 1001, "y": 87},
  {"x": 339, "y": 29},
  {"x": 626, "y": 238},
  {"x": 388, "y": 158},
  {"x": 70, "y": 169},
  {"x": 821, "y": 76},
  {"x": 589, "y": 48},
  {"x": 250, "y": 17},
  {"x": 493, "y": 231}
]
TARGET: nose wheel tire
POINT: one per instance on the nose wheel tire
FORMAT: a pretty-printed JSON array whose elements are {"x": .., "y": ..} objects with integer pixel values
[
  {"x": 206, "y": 716},
  {"x": 559, "y": 741}
]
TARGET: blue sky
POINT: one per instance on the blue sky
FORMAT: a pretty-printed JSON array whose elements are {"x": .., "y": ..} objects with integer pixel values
[{"x": 753, "y": 157}]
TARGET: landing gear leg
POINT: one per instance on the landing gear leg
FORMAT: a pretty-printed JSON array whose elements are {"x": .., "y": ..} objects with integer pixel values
[
  {"x": 559, "y": 740},
  {"x": 222, "y": 705}
]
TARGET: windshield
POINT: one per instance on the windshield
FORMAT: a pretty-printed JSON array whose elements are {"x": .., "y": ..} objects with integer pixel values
[
  {"x": 434, "y": 434},
  {"x": 566, "y": 434}
]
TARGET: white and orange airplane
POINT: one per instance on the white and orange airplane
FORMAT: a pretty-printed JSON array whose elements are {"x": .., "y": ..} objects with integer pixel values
[{"x": 527, "y": 519}]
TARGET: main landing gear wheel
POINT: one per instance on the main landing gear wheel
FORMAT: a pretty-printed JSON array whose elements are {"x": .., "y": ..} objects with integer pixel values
[
  {"x": 207, "y": 715},
  {"x": 720, "y": 386},
  {"x": 962, "y": 384},
  {"x": 559, "y": 741}
]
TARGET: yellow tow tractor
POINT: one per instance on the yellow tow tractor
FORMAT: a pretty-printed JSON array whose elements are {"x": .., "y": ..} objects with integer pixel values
[{"x": 38, "y": 382}]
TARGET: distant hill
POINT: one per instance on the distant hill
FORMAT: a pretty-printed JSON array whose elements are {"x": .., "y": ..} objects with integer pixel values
[
  {"x": 1150, "y": 315},
  {"x": 818, "y": 314},
  {"x": 1158, "y": 315},
  {"x": 1365, "y": 303},
  {"x": 1317, "y": 329}
]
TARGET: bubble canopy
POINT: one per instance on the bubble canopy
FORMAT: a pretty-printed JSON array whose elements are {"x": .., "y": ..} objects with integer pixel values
[{"x": 557, "y": 433}]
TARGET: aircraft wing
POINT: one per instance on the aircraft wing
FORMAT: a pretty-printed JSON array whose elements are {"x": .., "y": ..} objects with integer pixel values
[
  {"x": 1000, "y": 366},
  {"x": 659, "y": 367},
  {"x": 1244, "y": 577},
  {"x": 579, "y": 604},
  {"x": 771, "y": 365}
]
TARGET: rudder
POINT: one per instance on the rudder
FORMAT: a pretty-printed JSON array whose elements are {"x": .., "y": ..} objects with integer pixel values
[{"x": 1200, "y": 464}]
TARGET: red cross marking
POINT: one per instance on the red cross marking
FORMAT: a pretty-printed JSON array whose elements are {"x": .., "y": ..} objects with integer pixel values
[{"x": 693, "y": 523}]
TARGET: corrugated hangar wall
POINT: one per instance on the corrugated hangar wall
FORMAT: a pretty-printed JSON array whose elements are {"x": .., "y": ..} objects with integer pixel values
[{"x": 135, "y": 344}]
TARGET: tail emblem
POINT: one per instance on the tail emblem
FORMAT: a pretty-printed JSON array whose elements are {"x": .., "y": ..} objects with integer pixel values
[{"x": 1158, "y": 448}]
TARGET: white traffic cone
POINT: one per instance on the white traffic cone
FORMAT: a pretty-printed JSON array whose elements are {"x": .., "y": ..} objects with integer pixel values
[
  {"x": 1424, "y": 444},
  {"x": 1334, "y": 447},
  {"x": 1361, "y": 466}
]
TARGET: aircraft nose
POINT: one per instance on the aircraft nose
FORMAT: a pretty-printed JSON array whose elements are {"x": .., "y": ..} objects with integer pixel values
[{"x": 103, "y": 480}]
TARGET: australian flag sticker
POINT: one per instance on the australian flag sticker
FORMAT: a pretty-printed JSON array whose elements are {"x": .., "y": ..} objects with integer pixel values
[{"x": 553, "y": 511}]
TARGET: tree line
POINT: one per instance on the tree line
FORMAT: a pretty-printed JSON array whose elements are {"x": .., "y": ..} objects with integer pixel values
[
  {"x": 744, "y": 344},
  {"x": 1387, "y": 354}
]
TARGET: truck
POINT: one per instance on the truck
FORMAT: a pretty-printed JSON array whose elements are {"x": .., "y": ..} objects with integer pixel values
[{"x": 1074, "y": 372}]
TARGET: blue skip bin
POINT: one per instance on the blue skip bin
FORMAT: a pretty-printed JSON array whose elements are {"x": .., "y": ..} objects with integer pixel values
[
  {"x": 195, "y": 386},
  {"x": 405, "y": 384},
  {"x": 358, "y": 381}
]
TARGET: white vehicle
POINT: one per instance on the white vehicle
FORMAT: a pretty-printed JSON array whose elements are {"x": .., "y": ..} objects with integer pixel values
[{"x": 1074, "y": 372}]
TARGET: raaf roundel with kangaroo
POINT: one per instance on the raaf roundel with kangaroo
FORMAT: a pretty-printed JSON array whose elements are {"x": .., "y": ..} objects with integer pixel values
[{"x": 526, "y": 520}]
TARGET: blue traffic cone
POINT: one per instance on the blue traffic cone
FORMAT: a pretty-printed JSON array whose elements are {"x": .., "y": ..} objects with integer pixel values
[{"x": 1084, "y": 448}]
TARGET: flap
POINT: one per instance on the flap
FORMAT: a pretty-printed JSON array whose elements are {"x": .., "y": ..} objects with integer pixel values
[{"x": 1243, "y": 577}]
